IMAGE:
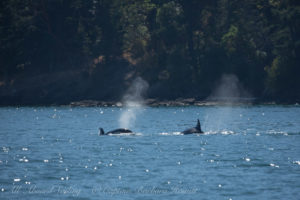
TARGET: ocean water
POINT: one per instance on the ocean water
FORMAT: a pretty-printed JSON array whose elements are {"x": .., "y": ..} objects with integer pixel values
[{"x": 247, "y": 152}]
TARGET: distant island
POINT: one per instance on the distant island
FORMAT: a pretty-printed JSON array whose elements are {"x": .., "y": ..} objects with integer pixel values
[{"x": 88, "y": 53}]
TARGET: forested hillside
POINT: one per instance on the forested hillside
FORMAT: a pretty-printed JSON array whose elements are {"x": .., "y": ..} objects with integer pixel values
[{"x": 57, "y": 51}]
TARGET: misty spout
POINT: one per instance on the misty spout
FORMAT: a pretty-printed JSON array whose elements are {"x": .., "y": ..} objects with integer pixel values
[
  {"x": 230, "y": 90},
  {"x": 134, "y": 102}
]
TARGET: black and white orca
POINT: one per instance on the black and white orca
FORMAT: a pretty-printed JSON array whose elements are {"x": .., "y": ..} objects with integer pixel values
[
  {"x": 196, "y": 129},
  {"x": 116, "y": 131}
]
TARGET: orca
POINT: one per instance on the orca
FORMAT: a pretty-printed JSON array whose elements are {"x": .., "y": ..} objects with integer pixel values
[
  {"x": 116, "y": 131},
  {"x": 196, "y": 129}
]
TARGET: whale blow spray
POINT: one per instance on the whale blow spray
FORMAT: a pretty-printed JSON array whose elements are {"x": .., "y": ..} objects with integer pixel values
[
  {"x": 134, "y": 102},
  {"x": 229, "y": 92}
]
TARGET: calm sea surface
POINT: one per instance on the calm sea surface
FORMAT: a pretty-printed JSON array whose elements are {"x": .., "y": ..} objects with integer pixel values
[{"x": 56, "y": 153}]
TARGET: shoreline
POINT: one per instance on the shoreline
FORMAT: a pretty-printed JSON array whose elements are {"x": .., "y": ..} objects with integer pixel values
[
  {"x": 157, "y": 103},
  {"x": 175, "y": 103},
  {"x": 164, "y": 103}
]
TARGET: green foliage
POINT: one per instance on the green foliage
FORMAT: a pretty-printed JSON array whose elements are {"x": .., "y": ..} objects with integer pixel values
[
  {"x": 229, "y": 40},
  {"x": 274, "y": 72},
  {"x": 135, "y": 27},
  {"x": 175, "y": 44}
]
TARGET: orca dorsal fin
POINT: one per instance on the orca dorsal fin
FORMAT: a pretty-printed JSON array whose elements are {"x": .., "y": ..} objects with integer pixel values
[
  {"x": 101, "y": 131},
  {"x": 198, "y": 127}
]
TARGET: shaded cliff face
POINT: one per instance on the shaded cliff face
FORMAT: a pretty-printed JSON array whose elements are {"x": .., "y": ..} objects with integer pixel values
[
  {"x": 106, "y": 83},
  {"x": 106, "y": 86}
]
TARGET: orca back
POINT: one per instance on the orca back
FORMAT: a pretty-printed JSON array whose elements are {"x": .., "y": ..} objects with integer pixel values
[{"x": 119, "y": 131}]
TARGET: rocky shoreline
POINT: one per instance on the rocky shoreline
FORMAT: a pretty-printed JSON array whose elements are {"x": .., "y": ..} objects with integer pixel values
[{"x": 157, "y": 103}]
